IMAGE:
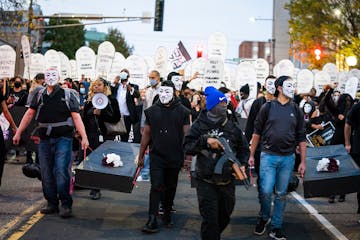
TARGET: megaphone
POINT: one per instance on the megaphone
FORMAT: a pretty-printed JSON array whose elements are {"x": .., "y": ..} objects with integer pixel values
[{"x": 100, "y": 101}]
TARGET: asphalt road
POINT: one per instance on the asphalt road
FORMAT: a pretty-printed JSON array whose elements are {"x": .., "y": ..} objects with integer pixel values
[{"x": 121, "y": 215}]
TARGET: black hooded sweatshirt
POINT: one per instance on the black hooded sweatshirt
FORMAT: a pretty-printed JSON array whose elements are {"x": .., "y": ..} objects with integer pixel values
[
  {"x": 167, "y": 134},
  {"x": 196, "y": 144}
]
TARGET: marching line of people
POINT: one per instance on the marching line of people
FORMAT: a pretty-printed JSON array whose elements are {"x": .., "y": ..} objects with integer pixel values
[{"x": 173, "y": 122}]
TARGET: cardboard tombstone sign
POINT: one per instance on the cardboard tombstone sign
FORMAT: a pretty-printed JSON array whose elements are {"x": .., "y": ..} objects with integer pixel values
[
  {"x": 332, "y": 70},
  {"x": 73, "y": 70},
  {"x": 85, "y": 60},
  {"x": 52, "y": 60},
  {"x": 229, "y": 77},
  {"x": 261, "y": 69},
  {"x": 342, "y": 79},
  {"x": 150, "y": 63},
  {"x": 37, "y": 64},
  {"x": 138, "y": 71},
  {"x": 214, "y": 72},
  {"x": 321, "y": 79},
  {"x": 217, "y": 45},
  {"x": 161, "y": 61},
  {"x": 351, "y": 86},
  {"x": 65, "y": 67},
  {"x": 105, "y": 56},
  {"x": 7, "y": 61},
  {"x": 118, "y": 64},
  {"x": 25, "y": 45},
  {"x": 305, "y": 81},
  {"x": 355, "y": 73},
  {"x": 245, "y": 74},
  {"x": 198, "y": 65},
  {"x": 284, "y": 68}
]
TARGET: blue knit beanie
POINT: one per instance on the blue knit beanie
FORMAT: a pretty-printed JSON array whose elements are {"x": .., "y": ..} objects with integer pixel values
[{"x": 213, "y": 97}]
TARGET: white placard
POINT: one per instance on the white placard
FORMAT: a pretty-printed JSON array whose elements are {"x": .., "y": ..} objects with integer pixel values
[
  {"x": 355, "y": 73},
  {"x": 342, "y": 79},
  {"x": 105, "y": 56},
  {"x": 262, "y": 70},
  {"x": 332, "y": 70},
  {"x": 284, "y": 68},
  {"x": 161, "y": 61},
  {"x": 73, "y": 70},
  {"x": 351, "y": 86},
  {"x": 246, "y": 74},
  {"x": 85, "y": 60},
  {"x": 7, "y": 61},
  {"x": 52, "y": 60},
  {"x": 117, "y": 65},
  {"x": 198, "y": 65},
  {"x": 25, "y": 45},
  {"x": 187, "y": 70},
  {"x": 138, "y": 71},
  {"x": 321, "y": 79},
  {"x": 65, "y": 67},
  {"x": 37, "y": 64},
  {"x": 214, "y": 72},
  {"x": 305, "y": 81},
  {"x": 150, "y": 63},
  {"x": 217, "y": 45},
  {"x": 229, "y": 77}
]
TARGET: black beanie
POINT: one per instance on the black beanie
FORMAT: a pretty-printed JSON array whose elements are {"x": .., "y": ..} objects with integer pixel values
[
  {"x": 279, "y": 82},
  {"x": 245, "y": 89}
]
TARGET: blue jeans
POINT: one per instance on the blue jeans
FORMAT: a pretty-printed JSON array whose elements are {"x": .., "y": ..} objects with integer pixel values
[
  {"x": 274, "y": 171},
  {"x": 55, "y": 163},
  {"x": 145, "y": 171}
]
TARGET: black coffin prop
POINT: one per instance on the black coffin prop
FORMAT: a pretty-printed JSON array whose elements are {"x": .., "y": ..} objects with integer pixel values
[
  {"x": 324, "y": 184},
  {"x": 92, "y": 174}
]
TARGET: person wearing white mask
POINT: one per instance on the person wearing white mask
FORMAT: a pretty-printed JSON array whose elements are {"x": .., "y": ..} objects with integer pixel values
[{"x": 166, "y": 123}]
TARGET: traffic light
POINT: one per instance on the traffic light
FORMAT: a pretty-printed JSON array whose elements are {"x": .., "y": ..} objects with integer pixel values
[
  {"x": 317, "y": 52},
  {"x": 159, "y": 14},
  {"x": 199, "y": 52}
]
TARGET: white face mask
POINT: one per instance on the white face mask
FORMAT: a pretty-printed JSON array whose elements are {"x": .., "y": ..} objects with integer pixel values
[
  {"x": 166, "y": 94},
  {"x": 270, "y": 86},
  {"x": 123, "y": 75},
  {"x": 336, "y": 98},
  {"x": 51, "y": 77},
  {"x": 307, "y": 108},
  {"x": 288, "y": 88},
  {"x": 177, "y": 82}
]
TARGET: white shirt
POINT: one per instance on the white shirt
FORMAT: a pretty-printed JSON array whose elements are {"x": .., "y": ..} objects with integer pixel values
[
  {"x": 121, "y": 98},
  {"x": 244, "y": 107}
]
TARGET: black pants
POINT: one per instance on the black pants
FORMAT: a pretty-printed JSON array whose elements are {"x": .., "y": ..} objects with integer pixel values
[
  {"x": 163, "y": 186},
  {"x": 216, "y": 204},
  {"x": 125, "y": 137}
]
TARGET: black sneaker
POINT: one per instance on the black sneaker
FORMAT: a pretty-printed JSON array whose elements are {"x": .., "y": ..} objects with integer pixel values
[
  {"x": 49, "y": 210},
  {"x": 260, "y": 227},
  {"x": 342, "y": 198},
  {"x": 277, "y": 234},
  {"x": 95, "y": 194},
  {"x": 161, "y": 210},
  {"x": 151, "y": 226},
  {"x": 331, "y": 199},
  {"x": 65, "y": 212}
]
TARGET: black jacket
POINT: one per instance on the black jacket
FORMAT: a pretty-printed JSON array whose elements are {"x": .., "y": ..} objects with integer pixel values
[
  {"x": 130, "y": 100},
  {"x": 196, "y": 144}
]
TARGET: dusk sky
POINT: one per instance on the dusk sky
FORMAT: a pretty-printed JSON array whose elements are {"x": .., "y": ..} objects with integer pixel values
[{"x": 190, "y": 21}]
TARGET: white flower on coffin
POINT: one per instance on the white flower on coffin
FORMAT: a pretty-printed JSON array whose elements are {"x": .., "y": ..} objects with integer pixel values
[
  {"x": 323, "y": 165},
  {"x": 114, "y": 159}
]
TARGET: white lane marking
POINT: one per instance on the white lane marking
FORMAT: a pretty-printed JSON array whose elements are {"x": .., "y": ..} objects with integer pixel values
[{"x": 322, "y": 220}]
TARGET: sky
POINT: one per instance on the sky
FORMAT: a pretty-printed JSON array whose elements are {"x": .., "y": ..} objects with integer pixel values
[{"x": 191, "y": 21}]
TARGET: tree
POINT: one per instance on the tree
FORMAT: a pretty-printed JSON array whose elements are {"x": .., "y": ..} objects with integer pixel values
[
  {"x": 118, "y": 40},
  {"x": 11, "y": 18},
  {"x": 65, "y": 39},
  {"x": 332, "y": 25}
]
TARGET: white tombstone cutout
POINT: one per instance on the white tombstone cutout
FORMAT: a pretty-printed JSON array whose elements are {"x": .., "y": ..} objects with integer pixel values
[
  {"x": 85, "y": 60},
  {"x": 217, "y": 45},
  {"x": 229, "y": 74},
  {"x": 7, "y": 61},
  {"x": 65, "y": 67},
  {"x": 351, "y": 86},
  {"x": 25, "y": 45},
  {"x": 150, "y": 63},
  {"x": 73, "y": 70},
  {"x": 105, "y": 56},
  {"x": 187, "y": 70},
  {"x": 305, "y": 81},
  {"x": 321, "y": 79},
  {"x": 356, "y": 73},
  {"x": 285, "y": 68},
  {"x": 37, "y": 64},
  {"x": 117, "y": 65},
  {"x": 245, "y": 74},
  {"x": 52, "y": 60},
  {"x": 332, "y": 70},
  {"x": 138, "y": 71},
  {"x": 342, "y": 79},
  {"x": 314, "y": 71},
  {"x": 161, "y": 61},
  {"x": 261, "y": 69},
  {"x": 198, "y": 65},
  {"x": 214, "y": 72}
]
